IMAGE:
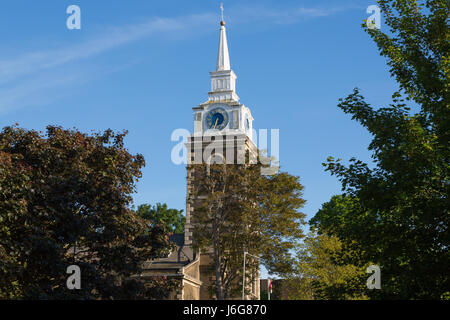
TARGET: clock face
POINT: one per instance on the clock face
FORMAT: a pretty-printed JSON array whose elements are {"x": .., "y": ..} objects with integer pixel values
[{"x": 217, "y": 119}]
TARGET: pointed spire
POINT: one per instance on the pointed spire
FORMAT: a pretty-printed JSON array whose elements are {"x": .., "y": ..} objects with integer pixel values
[
  {"x": 223, "y": 80},
  {"x": 223, "y": 57}
]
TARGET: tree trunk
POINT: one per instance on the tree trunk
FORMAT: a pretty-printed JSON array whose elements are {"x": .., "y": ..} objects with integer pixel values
[
  {"x": 218, "y": 274},
  {"x": 217, "y": 267}
]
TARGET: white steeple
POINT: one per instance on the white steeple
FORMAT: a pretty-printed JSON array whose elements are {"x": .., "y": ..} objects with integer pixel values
[
  {"x": 223, "y": 100},
  {"x": 223, "y": 80},
  {"x": 223, "y": 57}
]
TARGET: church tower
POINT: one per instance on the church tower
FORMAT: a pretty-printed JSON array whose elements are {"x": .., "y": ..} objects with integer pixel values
[
  {"x": 222, "y": 126},
  {"x": 222, "y": 134}
]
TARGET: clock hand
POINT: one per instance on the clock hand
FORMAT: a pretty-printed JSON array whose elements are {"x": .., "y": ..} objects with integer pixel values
[{"x": 216, "y": 123}]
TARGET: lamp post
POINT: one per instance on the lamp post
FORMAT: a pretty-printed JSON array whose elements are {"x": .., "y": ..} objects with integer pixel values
[{"x": 243, "y": 274}]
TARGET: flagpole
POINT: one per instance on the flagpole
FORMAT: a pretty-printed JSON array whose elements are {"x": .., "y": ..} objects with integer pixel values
[{"x": 243, "y": 279}]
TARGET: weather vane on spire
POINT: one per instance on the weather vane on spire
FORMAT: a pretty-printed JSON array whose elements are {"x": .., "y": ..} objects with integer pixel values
[{"x": 221, "y": 9}]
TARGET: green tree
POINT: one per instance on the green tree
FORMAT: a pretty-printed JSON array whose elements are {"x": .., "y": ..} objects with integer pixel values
[
  {"x": 326, "y": 267},
  {"x": 172, "y": 219},
  {"x": 401, "y": 216},
  {"x": 244, "y": 210},
  {"x": 323, "y": 271},
  {"x": 64, "y": 200}
]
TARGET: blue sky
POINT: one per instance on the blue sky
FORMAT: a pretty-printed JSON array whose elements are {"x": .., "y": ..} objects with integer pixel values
[{"x": 142, "y": 65}]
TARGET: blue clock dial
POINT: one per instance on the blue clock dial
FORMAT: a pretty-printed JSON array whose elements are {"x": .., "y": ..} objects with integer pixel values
[{"x": 217, "y": 119}]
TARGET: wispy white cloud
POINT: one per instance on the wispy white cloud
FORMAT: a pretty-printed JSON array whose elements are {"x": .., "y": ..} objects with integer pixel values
[
  {"x": 47, "y": 87},
  {"x": 282, "y": 15},
  {"x": 30, "y": 78},
  {"x": 111, "y": 38},
  {"x": 36, "y": 91}
]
